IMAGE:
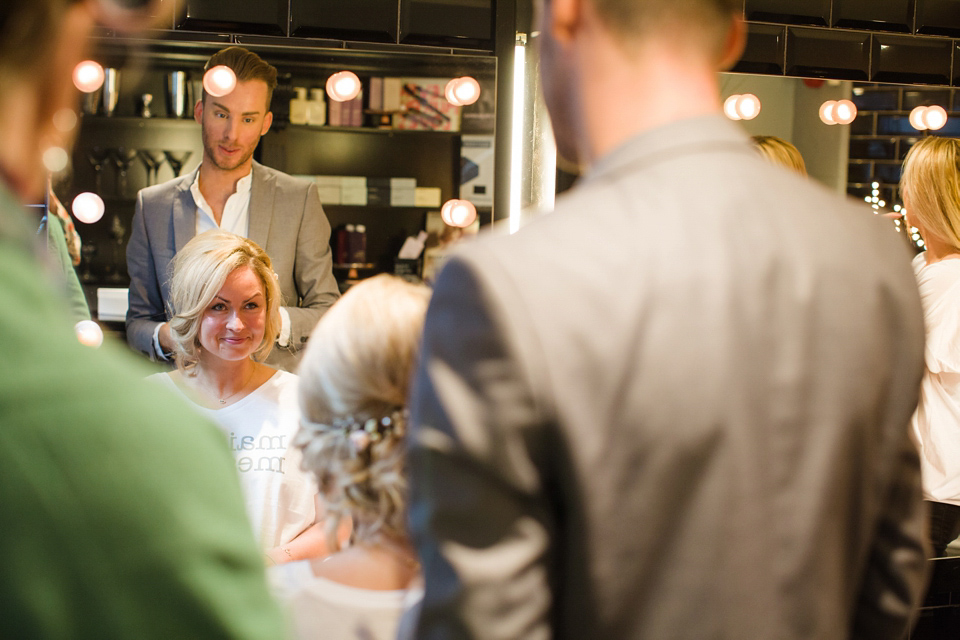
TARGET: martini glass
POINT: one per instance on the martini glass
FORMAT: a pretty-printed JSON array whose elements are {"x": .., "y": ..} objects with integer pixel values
[
  {"x": 177, "y": 159},
  {"x": 97, "y": 157},
  {"x": 123, "y": 157},
  {"x": 152, "y": 160}
]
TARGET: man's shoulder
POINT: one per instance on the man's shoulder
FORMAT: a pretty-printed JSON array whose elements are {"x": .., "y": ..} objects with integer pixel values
[
  {"x": 166, "y": 190},
  {"x": 282, "y": 180}
]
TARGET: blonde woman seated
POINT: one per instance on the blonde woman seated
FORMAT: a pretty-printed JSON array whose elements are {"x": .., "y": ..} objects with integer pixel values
[
  {"x": 353, "y": 387},
  {"x": 225, "y": 303},
  {"x": 930, "y": 185},
  {"x": 778, "y": 151}
]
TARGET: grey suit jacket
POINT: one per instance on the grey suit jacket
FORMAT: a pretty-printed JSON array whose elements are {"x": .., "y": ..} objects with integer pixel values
[
  {"x": 286, "y": 219},
  {"x": 676, "y": 407}
]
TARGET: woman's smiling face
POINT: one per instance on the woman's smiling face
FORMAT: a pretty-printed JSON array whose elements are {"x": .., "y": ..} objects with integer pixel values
[{"x": 232, "y": 325}]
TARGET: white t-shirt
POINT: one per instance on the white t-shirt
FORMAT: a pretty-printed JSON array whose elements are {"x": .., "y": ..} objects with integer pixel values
[
  {"x": 936, "y": 423},
  {"x": 260, "y": 430},
  {"x": 318, "y": 608}
]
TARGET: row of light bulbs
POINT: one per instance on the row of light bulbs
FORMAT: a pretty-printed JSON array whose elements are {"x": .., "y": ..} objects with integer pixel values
[
  {"x": 747, "y": 107},
  {"x": 342, "y": 86}
]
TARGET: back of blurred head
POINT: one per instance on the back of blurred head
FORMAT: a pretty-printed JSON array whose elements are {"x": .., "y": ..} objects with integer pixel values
[
  {"x": 41, "y": 41},
  {"x": 613, "y": 68},
  {"x": 779, "y": 151},
  {"x": 930, "y": 184},
  {"x": 356, "y": 372}
]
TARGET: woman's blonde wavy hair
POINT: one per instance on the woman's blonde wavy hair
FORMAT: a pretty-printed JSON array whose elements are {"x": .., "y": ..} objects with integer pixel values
[
  {"x": 357, "y": 369},
  {"x": 930, "y": 186},
  {"x": 199, "y": 271},
  {"x": 779, "y": 151}
]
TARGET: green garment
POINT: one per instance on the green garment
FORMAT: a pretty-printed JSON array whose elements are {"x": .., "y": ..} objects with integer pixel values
[
  {"x": 60, "y": 255},
  {"x": 122, "y": 515}
]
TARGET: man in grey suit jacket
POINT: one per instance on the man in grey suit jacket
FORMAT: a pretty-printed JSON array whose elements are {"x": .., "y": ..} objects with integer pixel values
[
  {"x": 229, "y": 190},
  {"x": 677, "y": 406}
]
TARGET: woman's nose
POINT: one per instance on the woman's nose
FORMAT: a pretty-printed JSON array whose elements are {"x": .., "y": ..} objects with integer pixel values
[{"x": 234, "y": 321}]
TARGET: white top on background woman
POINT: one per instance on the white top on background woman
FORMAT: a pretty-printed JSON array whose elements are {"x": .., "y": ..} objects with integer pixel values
[
  {"x": 226, "y": 320},
  {"x": 930, "y": 186},
  {"x": 354, "y": 378}
]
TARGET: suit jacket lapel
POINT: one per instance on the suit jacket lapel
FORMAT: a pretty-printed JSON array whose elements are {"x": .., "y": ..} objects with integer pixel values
[
  {"x": 262, "y": 193},
  {"x": 184, "y": 212}
]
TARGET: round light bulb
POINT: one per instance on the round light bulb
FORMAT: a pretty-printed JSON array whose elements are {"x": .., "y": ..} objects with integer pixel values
[
  {"x": 89, "y": 333},
  {"x": 826, "y": 112},
  {"x": 934, "y": 117},
  {"x": 88, "y": 76},
  {"x": 458, "y": 213},
  {"x": 844, "y": 112},
  {"x": 219, "y": 80},
  {"x": 748, "y": 106},
  {"x": 916, "y": 118},
  {"x": 56, "y": 159},
  {"x": 343, "y": 86},
  {"x": 87, "y": 207},
  {"x": 462, "y": 91},
  {"x": 730, "y": 107}
]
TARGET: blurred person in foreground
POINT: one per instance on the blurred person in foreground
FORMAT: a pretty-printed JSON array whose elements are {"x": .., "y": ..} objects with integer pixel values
[
  {"x": 122, "y": 513},
  {"x": 674, "y": 407},
  {"x": 931, "y": 196},
  {"x": 225, "y": 302},
  {"x": 354, "y": 380},
  {"x": 779, "y": 151}
]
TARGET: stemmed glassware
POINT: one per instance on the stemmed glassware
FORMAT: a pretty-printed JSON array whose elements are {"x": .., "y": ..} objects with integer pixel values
[
  {"x": 97, "y": 156},
  {"x": 123, "y": 157},
  {"x": 152, "y": 160},
  {"x": 177, "y": 159}
]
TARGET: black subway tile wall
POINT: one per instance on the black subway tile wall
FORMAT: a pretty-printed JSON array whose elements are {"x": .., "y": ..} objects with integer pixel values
[
  {"x": 938, "y": 17},
  {"x": 877, "y": 15},
  {"x": 267, "y": 17},
  {"x": 462, "y": 24},
  {"x": 821, "y": 53},
  {"x": 911, "y": 60},
  {"x": 764, "y": 51},
  {"x": 363, "y": 20},
  {"x": 814, "y": 12}
]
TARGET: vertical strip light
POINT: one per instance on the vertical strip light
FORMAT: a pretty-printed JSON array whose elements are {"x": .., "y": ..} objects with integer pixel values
[{"x": 516, "y": 136}]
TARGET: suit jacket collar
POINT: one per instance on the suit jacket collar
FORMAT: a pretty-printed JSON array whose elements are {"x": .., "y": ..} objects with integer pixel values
[
  {"x": 184, "y": 211},
  {"x": 690, "y": 135},
  {"x": 262, "y": 193}
]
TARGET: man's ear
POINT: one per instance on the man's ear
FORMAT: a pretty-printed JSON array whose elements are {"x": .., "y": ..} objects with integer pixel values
[
  {"x": 734, "y": 42},
  {"x": 562, "y": 17},
  {"x": 198, "y": 111},
  {"x": 267, "y": 121}
]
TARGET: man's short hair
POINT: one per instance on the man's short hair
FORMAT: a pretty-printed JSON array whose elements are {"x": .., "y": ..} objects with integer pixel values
[
  {"x": 247, "y": 66},
  {"x": 633, "y": 19}
]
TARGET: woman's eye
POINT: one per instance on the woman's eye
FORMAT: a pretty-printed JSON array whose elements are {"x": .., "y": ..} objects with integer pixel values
[
  {"x": 218, "y": 307},
  {"x": 253, "y": 305}
]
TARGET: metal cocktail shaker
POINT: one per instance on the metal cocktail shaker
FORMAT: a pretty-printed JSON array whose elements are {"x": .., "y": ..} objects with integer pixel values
[
  {"x": 111, "y": 90},
  {"x": 177, "y": 94}
]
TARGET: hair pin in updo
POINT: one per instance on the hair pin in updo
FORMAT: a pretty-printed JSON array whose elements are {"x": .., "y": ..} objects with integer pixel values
[{"x": 362, "y": 432}]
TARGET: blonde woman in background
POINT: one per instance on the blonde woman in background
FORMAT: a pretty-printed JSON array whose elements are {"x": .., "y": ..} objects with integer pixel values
[
  {"x": 930, "y": 186},
  {"x": 225, "y": 303},
  {"x": 779, "y": 151},
  {"x": 354, "y": 379}
]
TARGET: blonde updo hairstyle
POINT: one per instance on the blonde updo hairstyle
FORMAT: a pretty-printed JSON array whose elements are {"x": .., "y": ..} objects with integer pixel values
[
  {"x": 200, "y": 270},
  {"x": 357, "y": 370},
  {"x": 779, "y": 151},
  {"x": 930, "y": 186}
]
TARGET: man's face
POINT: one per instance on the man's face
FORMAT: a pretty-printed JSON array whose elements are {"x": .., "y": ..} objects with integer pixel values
[
  {"x": 558, "y": 82},
  {"x": 231, "y": 125}
]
